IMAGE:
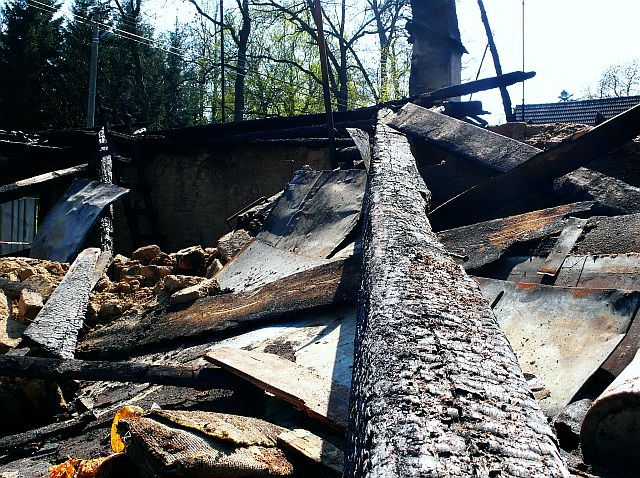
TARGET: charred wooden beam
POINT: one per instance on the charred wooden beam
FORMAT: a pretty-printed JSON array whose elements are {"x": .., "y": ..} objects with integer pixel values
[
  {"x": 428, "y": 99},
  {"x": 325, "y": 285},
  {"x": 56, "y": 326},
  {"x": 506, "y": 99},
  {"x": 437, "y": 389},
  {"x": 496, "y": 152},
  {"x": 14, "y": 444},
  {"x": 479, "y": 202},
  {"x": 102, "y": 371},
  {"x": 24, "y": 187}
]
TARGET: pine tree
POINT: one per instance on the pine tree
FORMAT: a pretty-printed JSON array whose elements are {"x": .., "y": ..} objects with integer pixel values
[
  {"x": 74, "y": 68},
  {"x": 29, "y": 62},
  {"x": 175, "y": 108}
]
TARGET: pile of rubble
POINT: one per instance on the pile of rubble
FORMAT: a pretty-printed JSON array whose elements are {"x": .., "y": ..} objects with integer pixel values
[{"x": 129, "y": 283}]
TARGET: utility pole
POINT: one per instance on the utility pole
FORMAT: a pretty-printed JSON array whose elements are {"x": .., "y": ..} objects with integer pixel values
[
  {"x": 222, "y": 53},
  {"x": 94, "y": 15},
  {"x": 324, "y": 66}
]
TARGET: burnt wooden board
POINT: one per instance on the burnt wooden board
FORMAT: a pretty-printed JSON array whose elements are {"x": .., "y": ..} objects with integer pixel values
[
  {"x": 321, "y": 286},
  {"x": 314, "y": 448},
  {"x": 479, "y": 202},
  {"x": 435, "y": 381},
  {"x": 486, "y": 242},
  {"x": 56, "y": 326},
  {"x": 316, "y": 212},
  {"x": 318, "y": 397},
  {"x": 479, "y": 145}
]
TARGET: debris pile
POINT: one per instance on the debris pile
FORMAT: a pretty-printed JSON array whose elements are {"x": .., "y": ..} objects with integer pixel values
[{"x": 467, "y": 300}]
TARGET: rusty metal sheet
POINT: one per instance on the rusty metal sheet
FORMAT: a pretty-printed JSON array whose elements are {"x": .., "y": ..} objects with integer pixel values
[
  {"x": 620, "y": 271},
  {"x": 310, "y": 221},
  {"x": 260, "y": 264},
  {"x": 316, "y": 212},
  {"x": 486, "y": 242},
  {"x": 64, "y": 229},
  {"x": 560, "y": 335},
  {"x": 567, "y": 239}
]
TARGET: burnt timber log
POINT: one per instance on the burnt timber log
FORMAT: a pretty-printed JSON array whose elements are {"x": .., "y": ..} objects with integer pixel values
[
  {"x": 428, "y": 99},
  {"x": 479, "y": 202},
  {"x": 102, "y": 371},
  {"x": 611, "y": 426},
  {"x": 436, "y": 389}
]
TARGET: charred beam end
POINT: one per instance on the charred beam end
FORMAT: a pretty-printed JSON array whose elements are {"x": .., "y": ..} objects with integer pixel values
[
  {"x": 437, "y": 389},
  {"x": 24, "y": 187}
]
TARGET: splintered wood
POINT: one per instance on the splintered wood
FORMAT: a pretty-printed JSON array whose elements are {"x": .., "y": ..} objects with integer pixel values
[{"x": 437, "y": 390}]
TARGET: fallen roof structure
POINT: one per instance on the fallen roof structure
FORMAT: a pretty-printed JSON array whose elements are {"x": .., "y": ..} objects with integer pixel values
[{"x": 450, "y": 301}]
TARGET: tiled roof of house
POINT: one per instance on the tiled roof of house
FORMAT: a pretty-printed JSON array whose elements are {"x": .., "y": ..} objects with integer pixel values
[{"x": 582, "y": 112}]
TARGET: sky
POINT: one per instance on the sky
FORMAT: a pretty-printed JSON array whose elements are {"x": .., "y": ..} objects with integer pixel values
[{"x": 568, "y": 43}]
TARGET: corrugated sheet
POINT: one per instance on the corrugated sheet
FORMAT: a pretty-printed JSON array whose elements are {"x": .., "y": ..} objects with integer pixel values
[
  {"x": 17, "y": 223},
  {"x": 581, "y": 112}
]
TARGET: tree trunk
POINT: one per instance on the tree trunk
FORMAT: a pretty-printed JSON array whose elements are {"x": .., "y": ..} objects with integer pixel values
[
  {"x": 436, "y": 389},
  {"x": 241, "y": 65}
]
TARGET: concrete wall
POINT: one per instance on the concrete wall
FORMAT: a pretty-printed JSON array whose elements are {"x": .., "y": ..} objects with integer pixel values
[{"x": 195, "y": 189}]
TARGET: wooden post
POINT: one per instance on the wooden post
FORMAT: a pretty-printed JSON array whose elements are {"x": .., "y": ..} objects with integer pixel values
[
  {"x": 436, "y": 389},
  {"x": 326, "y": 92},
  {"x": 105, "y": 175},
  {"x": 506, "y": 99}
]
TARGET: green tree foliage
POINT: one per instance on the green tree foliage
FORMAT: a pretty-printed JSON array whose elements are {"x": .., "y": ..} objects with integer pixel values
[
  {"x": 29, "y": 60},
  {"x": 173, "y": 79},
  {"x": 73, "y": 72}
]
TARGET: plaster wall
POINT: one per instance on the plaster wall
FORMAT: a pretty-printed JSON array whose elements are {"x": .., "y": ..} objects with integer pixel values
[{"x": 195, "y": 189}]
